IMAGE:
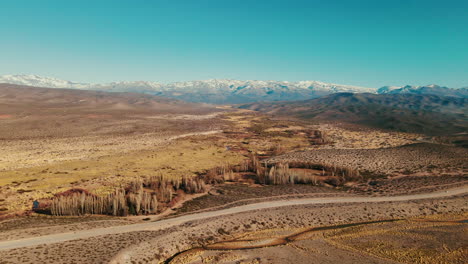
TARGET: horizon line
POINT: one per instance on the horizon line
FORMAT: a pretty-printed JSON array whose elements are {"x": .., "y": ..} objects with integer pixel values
[{"x": 221, "y": 79}]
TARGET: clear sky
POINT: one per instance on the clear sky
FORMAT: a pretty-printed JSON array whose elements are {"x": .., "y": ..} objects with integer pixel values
[{"x": 369, "y": 43}]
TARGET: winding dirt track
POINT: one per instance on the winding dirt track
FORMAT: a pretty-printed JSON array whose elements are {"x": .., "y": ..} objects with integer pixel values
[{"x": 162, "y": 224}]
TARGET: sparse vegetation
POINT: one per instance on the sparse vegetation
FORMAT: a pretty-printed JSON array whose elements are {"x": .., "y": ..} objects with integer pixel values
[
  {"x": 142, "y": 196},
  {"x": 139, "y": 197},
  {"x": 389, "y": 161},
  {"x": 140, "y": 166},
  {"x": 426, "y": 114}
]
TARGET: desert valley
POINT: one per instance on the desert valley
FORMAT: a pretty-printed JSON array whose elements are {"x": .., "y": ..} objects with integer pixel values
[
  {"x": 233, "y": 132},
  {"x": 93, "y": 177}
]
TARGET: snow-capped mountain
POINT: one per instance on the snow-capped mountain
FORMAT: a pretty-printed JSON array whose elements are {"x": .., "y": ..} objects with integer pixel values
[
  {"x": 209, "y": 91},
  {"x": 224, "y": 91},
  {"x": 388, "y": 89},
  {"x": 39, "y": 81},
  {"x": 48, "y": 82},
  {"x": 428, "y": 89}
]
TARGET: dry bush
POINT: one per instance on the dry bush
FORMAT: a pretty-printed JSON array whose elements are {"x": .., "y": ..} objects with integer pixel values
[
  {"x": 139, "y": 197},
  {"x": 147, "y": 196},
  {"x": 193, "y": 185},
  {"x": 346, "y": 173},
  {"x": 318, "y": 137},
  {"x": 282, "y": 174},
  {"x": 418, "y": 157},
  {"x": 118, "y": 203},
  {"x": 83, "y": 203}
]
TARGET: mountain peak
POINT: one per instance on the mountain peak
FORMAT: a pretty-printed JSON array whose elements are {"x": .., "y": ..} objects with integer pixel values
[
  {"x": 433, "y": 89},
  {"x": 224, "y": 91},
  {"x": 211, "y": 90}
]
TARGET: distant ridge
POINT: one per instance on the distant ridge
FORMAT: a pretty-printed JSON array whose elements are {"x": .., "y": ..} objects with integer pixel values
[
  {"x": 428, "y": 89},
  {"x": 427, "y": 114},
  {"x": 224, "y": 91}
]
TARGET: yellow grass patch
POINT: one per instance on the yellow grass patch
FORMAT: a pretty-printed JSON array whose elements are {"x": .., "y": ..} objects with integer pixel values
[{"x": 184, "y": 157}]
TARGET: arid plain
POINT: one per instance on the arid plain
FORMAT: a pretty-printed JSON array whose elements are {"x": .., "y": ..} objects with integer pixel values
[{"x": 132, "y": 178}]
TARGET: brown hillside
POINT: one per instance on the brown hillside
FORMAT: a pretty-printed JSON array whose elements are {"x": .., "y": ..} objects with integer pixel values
[{"x": 30, "y": 112}]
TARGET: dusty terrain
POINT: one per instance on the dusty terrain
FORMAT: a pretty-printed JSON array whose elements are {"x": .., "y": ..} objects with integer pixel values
[
  {"x": 146, "y": 243},
  {"x": 407, "y": 159},
  {"x": 426, "y": 114},
  {"x": 54, "y": 139},
  {"x": 362, "y": 242},
  {"x": 44, "y": 126},
  {"x": 348, "y": 136}
]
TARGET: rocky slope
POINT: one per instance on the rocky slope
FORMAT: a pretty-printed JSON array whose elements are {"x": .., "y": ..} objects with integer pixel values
[{"x": 427, "y": 114}]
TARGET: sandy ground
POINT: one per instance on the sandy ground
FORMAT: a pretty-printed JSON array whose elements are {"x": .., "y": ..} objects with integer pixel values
[
  {"x": 345, "y": 136},
  {"x": 276, "y": 246},
  {"x": 76, "y": 139},
  {"x": 29, "y": 153},
  {"x": 425, "y": 239},
  {"x": 195, "y": 229},
  {"x": 154, "y": 246},
  {"x": 403, "y": 159}
]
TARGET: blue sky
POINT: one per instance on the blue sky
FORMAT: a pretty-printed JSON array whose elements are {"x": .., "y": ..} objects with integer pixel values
[{"x": 367, "y": 43}]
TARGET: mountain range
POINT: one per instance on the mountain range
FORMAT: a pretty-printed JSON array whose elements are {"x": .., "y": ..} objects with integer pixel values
[
  {"x": 224, "y": 91},
  {"x": 427, "y": 114},
  {"x": 428, "y": 89}
]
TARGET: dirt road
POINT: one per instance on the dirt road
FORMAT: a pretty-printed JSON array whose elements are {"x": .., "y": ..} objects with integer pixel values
[{"x": 158, "y": 225}]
